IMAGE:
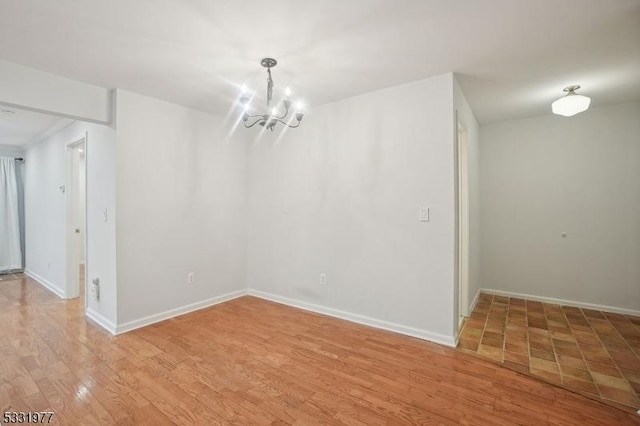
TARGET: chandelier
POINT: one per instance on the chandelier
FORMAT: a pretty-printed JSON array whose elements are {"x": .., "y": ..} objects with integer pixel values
[{"x": 273, "y": 116}]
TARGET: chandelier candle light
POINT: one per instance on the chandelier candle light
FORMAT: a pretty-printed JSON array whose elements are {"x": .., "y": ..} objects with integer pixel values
[{"x": 272, "y": 117}]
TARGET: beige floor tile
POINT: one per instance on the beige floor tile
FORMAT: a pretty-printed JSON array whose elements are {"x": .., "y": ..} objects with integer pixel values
[
  {"x": 614, "y": 382},
  {"x": 619, "y": 395},
  {"x": 578, "y": 385},
  {"x": 541, "y": 364}
]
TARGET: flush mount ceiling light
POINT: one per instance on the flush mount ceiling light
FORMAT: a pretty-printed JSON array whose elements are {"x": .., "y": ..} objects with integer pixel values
[
  {"x": 571, "y": 103},
  {"x": 273, "y": 116}
]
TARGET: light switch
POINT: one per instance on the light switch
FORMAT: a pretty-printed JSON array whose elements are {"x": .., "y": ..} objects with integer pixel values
[
  {"x": 105, "y": 215},
  {"x": 424, "y": 214}
]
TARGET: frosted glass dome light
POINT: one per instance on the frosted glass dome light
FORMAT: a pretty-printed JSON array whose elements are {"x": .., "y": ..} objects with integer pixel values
[{"x": 570, "y": 104}]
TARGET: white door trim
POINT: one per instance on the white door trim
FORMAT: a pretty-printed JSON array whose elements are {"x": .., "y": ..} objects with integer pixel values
[
  {"x": 72, "y": 257},
  {"x": 463, "y": 220}
]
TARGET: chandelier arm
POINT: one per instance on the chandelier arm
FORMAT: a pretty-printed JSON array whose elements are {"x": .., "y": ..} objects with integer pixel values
[
  {"x": 287, "y": 124},
  {"x": 286, "y": 112},
  {"x": 252, "y": 124}
]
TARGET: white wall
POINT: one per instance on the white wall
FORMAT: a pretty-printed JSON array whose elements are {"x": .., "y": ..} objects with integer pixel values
[
  {"x": 100, "y": 156},
  {"x": 45, "y": 211},
  {"x": 36, "y": 90},
  {"x": 544, "y": 176},
  {"x": 11, "y": 151},
  {"x": 341, "y": 194},
  {"x": 468, "y": 120},
  {"x": 181, "y": 208}
]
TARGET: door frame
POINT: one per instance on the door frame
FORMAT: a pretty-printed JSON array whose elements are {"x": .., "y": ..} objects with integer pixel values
[
  {"x": 462, "y": 219},
  {"x": 71, "y": 253}
]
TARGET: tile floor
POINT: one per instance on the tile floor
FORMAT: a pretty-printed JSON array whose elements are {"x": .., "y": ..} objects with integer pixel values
[{"x": 590, "y": 352}]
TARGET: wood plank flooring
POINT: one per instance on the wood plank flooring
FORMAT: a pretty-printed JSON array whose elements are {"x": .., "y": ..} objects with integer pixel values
[{"x": 249, "y": 361}]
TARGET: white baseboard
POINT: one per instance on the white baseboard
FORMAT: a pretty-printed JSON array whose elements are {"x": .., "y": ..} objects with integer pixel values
[
  {"x": 564, "y": 302},
  {"x": 360, "y": 319},
  {"x": 101, "y": 321},
  {"x": 474, "y": 302},
  {"x": 171, "y": 313},
  {"x": 46, "y": 283}
]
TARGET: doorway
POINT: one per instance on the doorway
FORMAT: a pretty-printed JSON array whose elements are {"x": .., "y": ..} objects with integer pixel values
[
  {"x": 76, "y": 191},
  {"x": 463, "y": 224}
]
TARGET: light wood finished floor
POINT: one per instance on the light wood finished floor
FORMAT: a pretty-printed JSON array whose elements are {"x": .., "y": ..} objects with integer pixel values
[{"x": 250, "y": 361}]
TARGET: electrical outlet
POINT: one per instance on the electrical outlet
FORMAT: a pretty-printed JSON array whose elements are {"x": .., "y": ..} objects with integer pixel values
[
  {"x": 191, "y": 278},
  {"x": 95, "y": 289},
  {"x": 424, "y": 214},
  {"x": 323, "y": 279}
]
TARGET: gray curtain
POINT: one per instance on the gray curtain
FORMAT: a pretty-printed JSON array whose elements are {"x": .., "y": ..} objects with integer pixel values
[
  {"x": 10, "y": 235},
  {"x": 20, "y": 183}
]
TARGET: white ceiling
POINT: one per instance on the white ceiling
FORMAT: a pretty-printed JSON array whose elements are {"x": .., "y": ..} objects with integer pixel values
[
  {"x": 513, "y": 57},
  {"x": 19, "y": 128}
]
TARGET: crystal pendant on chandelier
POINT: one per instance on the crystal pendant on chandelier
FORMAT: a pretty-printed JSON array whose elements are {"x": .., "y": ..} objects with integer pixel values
[{"x": 272, "y": 117}]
